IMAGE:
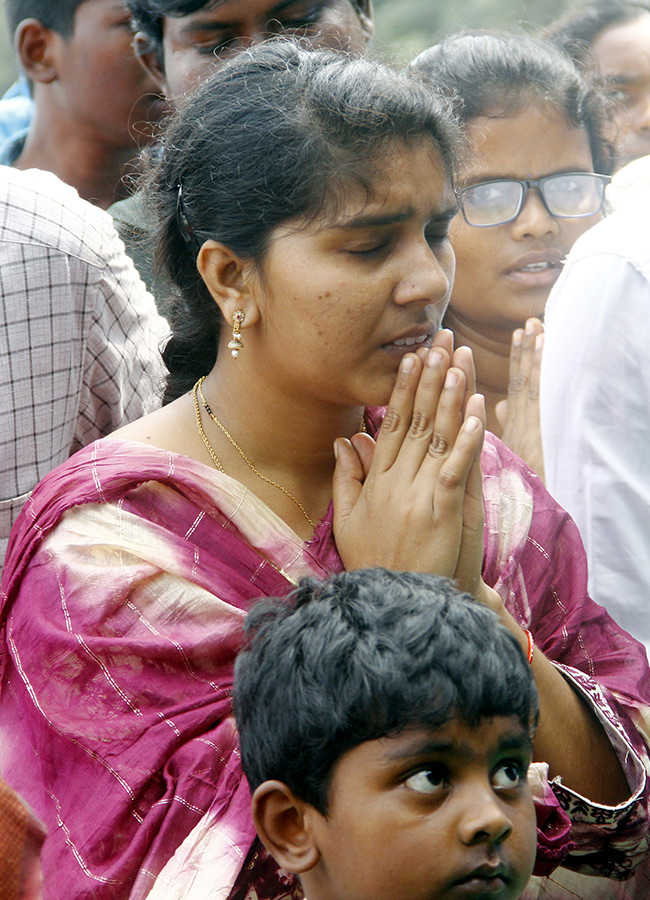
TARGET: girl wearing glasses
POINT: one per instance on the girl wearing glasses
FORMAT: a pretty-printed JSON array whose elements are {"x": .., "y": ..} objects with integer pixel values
[
  {"x": 303, "y": 202},
  {"x": 534, "y": 181}
]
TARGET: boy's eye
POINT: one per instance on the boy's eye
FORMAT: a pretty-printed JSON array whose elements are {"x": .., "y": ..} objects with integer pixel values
[
  {"x": 426, "y": 781},
  {"x": 508, "y": 775}
]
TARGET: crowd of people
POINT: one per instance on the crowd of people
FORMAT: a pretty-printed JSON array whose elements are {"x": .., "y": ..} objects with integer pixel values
[{"x": 301, "y": 588}]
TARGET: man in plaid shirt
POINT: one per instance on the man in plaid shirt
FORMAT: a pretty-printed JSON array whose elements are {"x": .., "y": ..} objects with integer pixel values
[{"x": 79, "y": 334}]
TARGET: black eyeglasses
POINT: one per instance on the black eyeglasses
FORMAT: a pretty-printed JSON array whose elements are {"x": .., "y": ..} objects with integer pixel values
[{"x": 570, "y": 195}]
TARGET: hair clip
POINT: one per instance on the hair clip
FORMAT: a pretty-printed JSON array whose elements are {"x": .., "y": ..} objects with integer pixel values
[{"x": 183, "y": 221}]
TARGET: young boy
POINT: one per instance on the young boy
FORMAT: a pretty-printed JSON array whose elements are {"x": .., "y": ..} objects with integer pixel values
[
  {"x": 386, "y": 723},
  {"x": 94, "y": 105}
]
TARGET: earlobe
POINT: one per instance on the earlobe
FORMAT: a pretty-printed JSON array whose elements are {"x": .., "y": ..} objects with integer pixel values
[
  {"x": 282, "y": 824},
  {"x": 224, "y": 274},
  {"x": 150, "y": 60},
  {"x": 36, "y": 49}
]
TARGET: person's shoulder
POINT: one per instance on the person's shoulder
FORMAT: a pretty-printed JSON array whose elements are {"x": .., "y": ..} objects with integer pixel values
[
  {"x": 38, "y": 209},
  {"x": 623, "y": 234},
  {"x": 131, "y": 212}
]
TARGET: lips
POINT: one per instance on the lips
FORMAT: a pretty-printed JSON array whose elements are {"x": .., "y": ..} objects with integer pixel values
[
  {"x": 410, "y": 341},
  {"x": 485, "y": 872},
  {"x": 482, "y": 881},
  {"x": 536, "y": 262}
]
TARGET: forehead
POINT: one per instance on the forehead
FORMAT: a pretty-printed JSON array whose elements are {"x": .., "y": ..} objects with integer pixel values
[
  {"x": 454, "y": 740},
  {"x": 536, "y": 140},
  {"x": 404, "y": 177},
  {"x": 245, "y": 13},
  {"x": 624, "y": 50}
]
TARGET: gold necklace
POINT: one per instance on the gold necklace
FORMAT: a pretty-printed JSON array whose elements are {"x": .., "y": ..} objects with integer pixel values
[{"x": 198, "y": 389}]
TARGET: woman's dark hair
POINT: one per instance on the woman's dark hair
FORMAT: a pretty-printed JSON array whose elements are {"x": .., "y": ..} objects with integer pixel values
[
  {"x": 576, "y": 31},
  {"x": 280, "y": 133},
  {"x": 497, "y": 74},
  {"x": 365, "y": 655}
]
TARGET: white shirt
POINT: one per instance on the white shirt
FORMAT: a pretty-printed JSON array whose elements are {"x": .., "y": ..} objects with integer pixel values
[
  {"x": 79, "y": 334},
  {"x": 595, "y": 409}
]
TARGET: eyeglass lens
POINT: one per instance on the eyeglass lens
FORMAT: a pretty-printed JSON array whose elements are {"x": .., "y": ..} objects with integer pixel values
[{"x": 567, "y": 196}]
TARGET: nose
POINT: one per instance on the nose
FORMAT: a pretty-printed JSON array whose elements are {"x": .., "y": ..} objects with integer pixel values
[
  {"x": 484, "y": 819},
  {"x": 426, "y": 274},
  {"x": 534, "y": 220},
  {"x": 642, "y": 114}
]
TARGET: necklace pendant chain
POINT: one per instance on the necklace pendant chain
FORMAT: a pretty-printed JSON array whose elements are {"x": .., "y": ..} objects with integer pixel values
[{"x": 198, "y": 389}]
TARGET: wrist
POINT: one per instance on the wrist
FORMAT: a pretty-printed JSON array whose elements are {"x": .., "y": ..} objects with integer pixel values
[{"x": 489, "y": 597}]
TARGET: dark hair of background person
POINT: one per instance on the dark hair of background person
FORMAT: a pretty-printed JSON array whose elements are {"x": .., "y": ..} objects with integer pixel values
[
  {"x": 57, "y": 15},
  {"x": 361, "y": 656},
  {"x": 148, "y": 16},
  {"x": 497, "y": 74},
  {"x": 278, "y": 134},
  {"x": 576, "y": 31}
]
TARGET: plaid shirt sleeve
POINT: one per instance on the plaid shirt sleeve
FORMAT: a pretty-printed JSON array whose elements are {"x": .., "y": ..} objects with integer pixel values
[{"x": 79, "y": 335}]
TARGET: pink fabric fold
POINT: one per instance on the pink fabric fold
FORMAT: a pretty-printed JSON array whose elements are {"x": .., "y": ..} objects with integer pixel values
[{"x": 126, "y": 583}]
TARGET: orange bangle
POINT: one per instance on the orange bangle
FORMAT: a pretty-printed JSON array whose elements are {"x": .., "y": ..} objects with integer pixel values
[{"x": 531, "y": 645}]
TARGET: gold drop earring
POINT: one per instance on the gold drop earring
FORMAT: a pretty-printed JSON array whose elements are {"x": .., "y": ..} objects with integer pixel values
[{"x": 236, "y": 344}]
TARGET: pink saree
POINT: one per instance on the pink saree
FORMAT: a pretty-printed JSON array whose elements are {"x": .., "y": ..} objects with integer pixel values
[{"x": 127, "y": 579}]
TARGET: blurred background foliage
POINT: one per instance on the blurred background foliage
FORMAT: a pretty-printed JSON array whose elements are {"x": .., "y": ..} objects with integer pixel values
[
  {"x": 7, "y": 63},
  {"x": 413, "y": 25},
  {"x": 407, "y": 25}
]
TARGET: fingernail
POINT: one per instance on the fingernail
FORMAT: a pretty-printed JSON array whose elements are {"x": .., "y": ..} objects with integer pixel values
[
  {"x": 336, "y": 449},
  {"x": 539, "y": 342},
  {"x": 451, "y": 380},
  {"x": 434, "y": 358},
  {"x": 517, "y": 337},
  {"x": 472, "y": 424},
  {"x": 408, "y": 364},
  {"x": 530, "y": 326}
]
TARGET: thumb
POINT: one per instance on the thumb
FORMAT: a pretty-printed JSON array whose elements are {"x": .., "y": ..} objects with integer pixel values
[
  {"x": 346, "y": 482},
  {"x": 501, "y": 410}
]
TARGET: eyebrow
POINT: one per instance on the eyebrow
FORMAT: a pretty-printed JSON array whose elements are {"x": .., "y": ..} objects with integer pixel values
[
  {"x": 516, "y": 742},
  {"x": 614, "y": 80},
  {"x": 208, "y": 25},
  {"x": 379, "y": 221},
  {"x": 484, "y": 178}
]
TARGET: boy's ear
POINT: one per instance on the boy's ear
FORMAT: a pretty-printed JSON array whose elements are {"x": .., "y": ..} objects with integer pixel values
[
  {"x": 281, "y": 820},
  {"x": 37, "y": 50},
  {"x": 225, "y": 276},
  {"x": 150, "y": 60}
]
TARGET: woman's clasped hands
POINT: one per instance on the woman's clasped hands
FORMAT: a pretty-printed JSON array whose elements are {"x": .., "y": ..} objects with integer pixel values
[{"x": 413, "y": 500}]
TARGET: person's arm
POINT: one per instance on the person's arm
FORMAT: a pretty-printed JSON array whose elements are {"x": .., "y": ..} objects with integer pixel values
[
  {"x": 391, "y": 500},
  {"x": 124, "y": 374},
  {"x": 535, "y": 561},
  {"x": 595, "y": 408}
]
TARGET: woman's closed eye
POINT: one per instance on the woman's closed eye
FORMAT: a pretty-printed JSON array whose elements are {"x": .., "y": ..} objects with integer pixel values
[{"x": 371, "y": 248}]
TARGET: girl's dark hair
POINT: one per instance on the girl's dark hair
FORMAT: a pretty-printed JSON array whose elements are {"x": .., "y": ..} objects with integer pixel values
[
  {"x": 576, "y": 31},
  {"x": 278, "y": 134},
  {"x": 496, "y": 74}
]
